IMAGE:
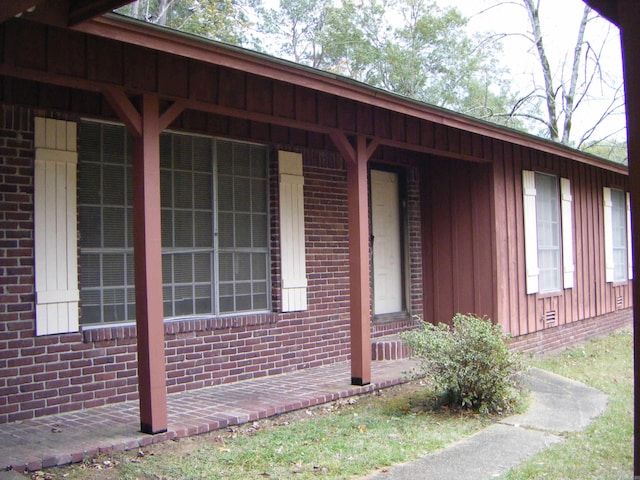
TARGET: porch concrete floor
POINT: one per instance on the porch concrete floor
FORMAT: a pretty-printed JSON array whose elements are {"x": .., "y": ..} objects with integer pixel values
[{"x": 65, "y": 438}]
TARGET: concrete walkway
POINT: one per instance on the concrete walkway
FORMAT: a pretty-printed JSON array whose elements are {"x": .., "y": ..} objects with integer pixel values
[{"x": 559, "y": 406}]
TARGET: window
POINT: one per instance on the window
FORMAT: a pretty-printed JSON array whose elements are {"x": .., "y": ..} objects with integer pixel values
[
  {"x": 616, "y": 221},
  {"x": 548, "y": 227},
  {"x": 548, "y": 232},
  {"x": 214, "y": 207}
]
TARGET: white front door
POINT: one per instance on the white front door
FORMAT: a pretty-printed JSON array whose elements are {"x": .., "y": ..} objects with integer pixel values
[{"x": 385, "y": 219}]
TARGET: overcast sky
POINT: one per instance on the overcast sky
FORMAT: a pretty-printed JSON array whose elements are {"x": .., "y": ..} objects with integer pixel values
[
  {"x": 559, "y": 23},
  {"x": 559, "y": 20}
]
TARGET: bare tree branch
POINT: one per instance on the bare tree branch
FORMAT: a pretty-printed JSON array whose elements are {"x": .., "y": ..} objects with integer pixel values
[
  {"x": 534, "y": 19},
  {"x": 614, "y": 105},
  {"x": 569, "y": 98}
]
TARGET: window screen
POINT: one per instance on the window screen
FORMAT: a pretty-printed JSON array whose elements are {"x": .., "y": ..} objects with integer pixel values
[
  {"x": 105, "y": 217},
  {"x": 619, "y": 234},
  {"x": 243, "y": 226},
  {"x": 214, "y": 214},
  {"x": 548, "y": 229}
]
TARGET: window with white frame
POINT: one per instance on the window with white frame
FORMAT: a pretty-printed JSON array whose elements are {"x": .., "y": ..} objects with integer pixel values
[
  {"x": 548, "y": 227},
  {"x": 548, "y": 232},
  {"x": 214, "y": 207},
  {"x": 617, "y": 218}
]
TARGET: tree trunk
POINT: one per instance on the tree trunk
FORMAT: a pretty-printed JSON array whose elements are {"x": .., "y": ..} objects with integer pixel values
[
  {"x": 550, "y": 93},
  {"x": 163, "y": 8},
  {"x": 569, "y": 97}
]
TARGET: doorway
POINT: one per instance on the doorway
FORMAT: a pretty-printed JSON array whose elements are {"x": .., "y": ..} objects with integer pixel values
[{"x": 386, "y": 239}]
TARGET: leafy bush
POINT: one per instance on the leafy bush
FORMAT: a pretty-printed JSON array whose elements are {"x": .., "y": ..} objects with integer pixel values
[{"x": 470, "y": 366}]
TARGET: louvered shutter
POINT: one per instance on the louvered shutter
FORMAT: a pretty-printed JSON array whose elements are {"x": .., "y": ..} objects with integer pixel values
[
  {"x": 292, "y": 242},
  {"x": 567, "y": 233},
  {"x": 629, "y": 240},
  {"x": 55, "y": 218},
  {"x": 530, "y": 231},
  {"x": 608, "y": 234}
]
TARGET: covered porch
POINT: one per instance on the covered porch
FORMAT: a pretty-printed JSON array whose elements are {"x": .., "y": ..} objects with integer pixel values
[{"x": 66, "y": 438}]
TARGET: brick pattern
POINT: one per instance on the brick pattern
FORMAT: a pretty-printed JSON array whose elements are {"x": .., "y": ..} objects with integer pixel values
[
  {"x": 18, "y": 371},
  {"x": 97, "y": 367},
  {"x": 388, "y": 348},
  {"x": 414, "y": 242},
  {"x": 70, "y": 437},
  {"x": 565, "y": 336}
]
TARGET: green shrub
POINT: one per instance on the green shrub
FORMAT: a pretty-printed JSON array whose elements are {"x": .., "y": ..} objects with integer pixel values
[{"x": 470, "y": 366}]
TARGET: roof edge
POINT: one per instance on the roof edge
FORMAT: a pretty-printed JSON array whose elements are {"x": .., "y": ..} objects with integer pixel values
[{"x": 129, "y": 30}]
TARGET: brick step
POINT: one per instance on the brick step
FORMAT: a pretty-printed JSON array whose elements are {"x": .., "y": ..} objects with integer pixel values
[{"x": 388, "y": 348}]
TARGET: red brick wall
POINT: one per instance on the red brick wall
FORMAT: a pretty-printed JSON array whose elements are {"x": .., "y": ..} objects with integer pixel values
[
  {"x": 567, "y": 335},
  {"x": 59, "y": 373},
  {"x": 17, "y": 370}
]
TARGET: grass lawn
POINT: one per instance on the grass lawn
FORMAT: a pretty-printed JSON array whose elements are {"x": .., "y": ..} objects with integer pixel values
[
  {"x": 605, "y": 449},
  {"x": 344, "y": 439},
  {"x": 353, "y": 437}
]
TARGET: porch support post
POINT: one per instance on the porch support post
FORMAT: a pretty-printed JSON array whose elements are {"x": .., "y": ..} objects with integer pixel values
[
  {"x": 359, "y": 265},
  {"x": 629, "y": 17},
  {"x": 145, "y": 129},
  {"x": 148, "y": 270}
]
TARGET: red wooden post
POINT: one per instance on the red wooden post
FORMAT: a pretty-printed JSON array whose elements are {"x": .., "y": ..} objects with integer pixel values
[
  {"x": 148, "y": 270},
  {"x": 359, "y": 266},
  {"x": 629, "y": 17}
]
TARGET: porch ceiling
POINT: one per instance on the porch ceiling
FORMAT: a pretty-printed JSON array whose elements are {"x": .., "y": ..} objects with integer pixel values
[{"x": 58, "y": 12}]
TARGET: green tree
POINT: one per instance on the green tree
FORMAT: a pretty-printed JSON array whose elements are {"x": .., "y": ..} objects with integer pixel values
[
  {"x": 355, "y": 37},
  {"x": 409, "y": 47},
  {"x": 433, "y": 59},
  {"x": 610, "y": 148},
  {"x": 295, "y": 28},
  {"x": 223, "y": 20}
]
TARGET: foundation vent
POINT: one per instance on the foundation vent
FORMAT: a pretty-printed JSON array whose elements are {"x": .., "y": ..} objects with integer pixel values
[
  {"x": 550, "y": 317},
  {"x": 619, "y": 303}
]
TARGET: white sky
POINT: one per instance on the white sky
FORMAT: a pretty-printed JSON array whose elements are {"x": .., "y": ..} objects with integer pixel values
[{"x": 559, "y": 23}]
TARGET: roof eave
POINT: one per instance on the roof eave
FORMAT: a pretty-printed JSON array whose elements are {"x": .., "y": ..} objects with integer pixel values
[{"x": 187, "y": 45}]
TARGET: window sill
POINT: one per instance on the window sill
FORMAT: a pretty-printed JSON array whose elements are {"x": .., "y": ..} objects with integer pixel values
[
  {"x": 392, "y": 317},
  {"x": 91, "y": 334},
  {"x": 542, "y": 296}
]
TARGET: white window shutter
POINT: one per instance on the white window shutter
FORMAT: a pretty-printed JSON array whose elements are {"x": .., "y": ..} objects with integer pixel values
[
  {"x": 608, "y": 235},
  {"x": 55, "y": 230},
  {"x": 292, "y": 241},
  {"x": 530, "y": 231},
  {"x": 568, "y": 266},
  {"x": 629, "y": 239}
]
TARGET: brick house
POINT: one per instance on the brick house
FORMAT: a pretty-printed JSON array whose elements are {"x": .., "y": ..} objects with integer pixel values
[{"x": 277, "y": 217}]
